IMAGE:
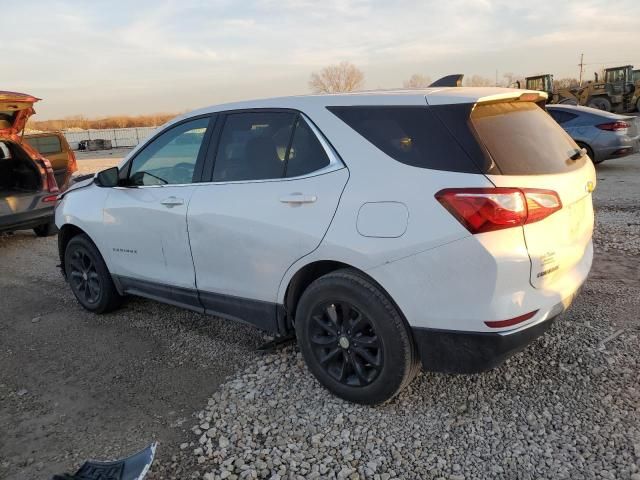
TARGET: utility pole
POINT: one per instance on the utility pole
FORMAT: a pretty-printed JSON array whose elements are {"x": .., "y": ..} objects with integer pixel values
[
  {"x": 496, "y": 77},
  {"x": 581, "y": 65}
]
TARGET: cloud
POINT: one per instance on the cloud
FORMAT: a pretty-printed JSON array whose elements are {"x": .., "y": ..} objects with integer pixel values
[{"x": 118, "y": 57}]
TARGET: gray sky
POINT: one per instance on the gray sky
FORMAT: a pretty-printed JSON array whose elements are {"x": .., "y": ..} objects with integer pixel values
[{"x": 129, "y": 57}]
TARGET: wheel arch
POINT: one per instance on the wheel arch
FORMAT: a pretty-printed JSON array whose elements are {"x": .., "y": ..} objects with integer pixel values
[
  {"x": 65, "y": 234},
  {"x": 307, "y": 274}
]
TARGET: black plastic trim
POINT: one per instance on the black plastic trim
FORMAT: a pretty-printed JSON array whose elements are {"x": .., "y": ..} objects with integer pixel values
[
  {"x": 263, "y": 315},
  {"x": 179, "y": 296},
  {"x": 451, "y": 351},
  {"x": 267, "y": 316}
]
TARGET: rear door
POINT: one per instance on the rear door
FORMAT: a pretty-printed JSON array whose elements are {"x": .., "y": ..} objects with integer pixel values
[
  {"x": 530, "y": 150},
  {"x": 275, "y": 185}
]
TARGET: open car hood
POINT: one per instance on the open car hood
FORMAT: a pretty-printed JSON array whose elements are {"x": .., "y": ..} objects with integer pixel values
[{"x": 15, "y": 110}]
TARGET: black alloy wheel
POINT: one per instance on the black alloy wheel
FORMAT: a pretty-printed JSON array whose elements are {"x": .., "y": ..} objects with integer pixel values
[
  {"x": 84, "y": 277},
  {"x": 345, "y": 343},
  {"x": 354, "y": 340},
  {"x": 89, "y": 276}
]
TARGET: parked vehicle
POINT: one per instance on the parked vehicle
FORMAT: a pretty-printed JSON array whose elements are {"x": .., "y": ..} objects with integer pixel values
[
  {"x": 54, "y": 146},
  {"x": 604, "y": 135},
  {"x": 28, "y": 187},
  {"x": 447, "y": 226}
]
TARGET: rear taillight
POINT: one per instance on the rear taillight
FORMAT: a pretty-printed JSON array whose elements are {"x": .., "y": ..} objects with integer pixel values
[
  {"x": 488, "y": 209},
  {"x": 72, "y": 166},
  {"x": 613, "y": 126},
  {"x": 49, "y": 178}
]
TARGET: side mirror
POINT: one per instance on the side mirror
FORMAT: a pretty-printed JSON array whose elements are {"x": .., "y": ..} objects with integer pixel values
[{"x": 108, "y": 178}]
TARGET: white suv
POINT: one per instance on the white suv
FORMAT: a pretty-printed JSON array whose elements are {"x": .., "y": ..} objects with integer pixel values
[{"x": 445, "y": 226}]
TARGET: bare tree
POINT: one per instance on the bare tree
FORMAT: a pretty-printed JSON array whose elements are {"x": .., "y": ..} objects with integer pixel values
[
  {"x": 417, "y": 80},
  {"x": 478, "y": 81},
  {"x": 344, "y": 77},
  {"x": 565, "y": 83},
  {"x": 511, "y": 78}
]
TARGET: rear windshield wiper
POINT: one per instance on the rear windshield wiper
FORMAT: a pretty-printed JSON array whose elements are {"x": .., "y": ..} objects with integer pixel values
[{"x": 578, "y": 154}]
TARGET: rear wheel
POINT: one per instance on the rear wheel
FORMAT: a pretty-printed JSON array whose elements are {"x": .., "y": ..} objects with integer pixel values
[
  {"x": 589, "y": 152},
  {"x": 353, "y": 338},
  {"x": 601, "y": 103},
  {"x": 88, "y": 276},
  {"x": 46, "y": 230}
]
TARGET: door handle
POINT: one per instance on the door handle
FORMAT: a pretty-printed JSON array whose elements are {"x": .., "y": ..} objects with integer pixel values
[
  {"x": 298, "y": 198},
  {"x": 172, "y": 202}
]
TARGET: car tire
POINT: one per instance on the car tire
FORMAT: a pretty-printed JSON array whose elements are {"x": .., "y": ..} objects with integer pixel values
[
  {"x": 46, "y": 230},
  {"x": 600, "y": 103},
  {"x": 590, "y": 153},
  {"x": 88, "y": 276},
  {"x": 353, "y": 338}
]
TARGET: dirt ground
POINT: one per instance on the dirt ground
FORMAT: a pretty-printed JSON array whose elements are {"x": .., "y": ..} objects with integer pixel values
[{"x": 75, "y": 386}]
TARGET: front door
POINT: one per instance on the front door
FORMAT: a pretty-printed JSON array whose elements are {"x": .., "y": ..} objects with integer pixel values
[
  {"x": 145, "y": 219},
  {"x": 276, "y": 186}
]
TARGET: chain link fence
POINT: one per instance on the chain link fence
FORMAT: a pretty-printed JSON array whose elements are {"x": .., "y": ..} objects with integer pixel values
[{"x": 119, "y": 137}]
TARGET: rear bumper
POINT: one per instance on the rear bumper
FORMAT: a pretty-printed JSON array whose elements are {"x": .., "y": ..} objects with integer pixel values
[
  {"x": 26, "y": 220},
  {"x": 451, "y": 351},
  {"x": 466, "y": 352}
]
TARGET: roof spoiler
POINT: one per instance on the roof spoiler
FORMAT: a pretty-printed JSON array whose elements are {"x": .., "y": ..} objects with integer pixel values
[{"x": 454, "y": 80}]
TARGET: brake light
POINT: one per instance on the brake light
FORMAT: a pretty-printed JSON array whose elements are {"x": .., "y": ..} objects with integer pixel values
[
  {"x": 613, "y": 126},
  {"x": 483, "y": 210},
  {"x": 50, "y": 180}
]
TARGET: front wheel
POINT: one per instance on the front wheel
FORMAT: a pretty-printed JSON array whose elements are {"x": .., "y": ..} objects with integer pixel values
[
  {"x": 600, "y": 103},
  {"x": 88, "y": 276},
  {"x": 353, "y": 338}
]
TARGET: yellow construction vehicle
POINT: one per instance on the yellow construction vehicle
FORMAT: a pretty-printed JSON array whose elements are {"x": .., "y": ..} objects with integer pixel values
[
  {"x": 544, "y": 83},
  {"x": 619, "y": 90}
]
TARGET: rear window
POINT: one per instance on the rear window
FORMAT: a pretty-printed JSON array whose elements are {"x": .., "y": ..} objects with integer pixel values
[
  {"x": 46, "y": 145},
  {"x": 523, "y": 140},
  {"x": 411, "y": 135}
]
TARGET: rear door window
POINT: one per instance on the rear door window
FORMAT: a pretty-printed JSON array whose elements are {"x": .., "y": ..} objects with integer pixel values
[
  {"x": 561, "y": 116},
  {"x": 253, "y": 146},
  {"x": 46, "y": 145},
  {"x": 523, "y": 140},
  {"x": 306, "y": 154}
]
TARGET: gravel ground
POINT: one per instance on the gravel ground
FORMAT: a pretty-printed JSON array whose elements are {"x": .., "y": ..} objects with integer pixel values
[{"x": 76, "y": 386}]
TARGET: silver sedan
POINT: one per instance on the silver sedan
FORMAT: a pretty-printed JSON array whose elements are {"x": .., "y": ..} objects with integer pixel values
[{"x": 604, "y": 135}]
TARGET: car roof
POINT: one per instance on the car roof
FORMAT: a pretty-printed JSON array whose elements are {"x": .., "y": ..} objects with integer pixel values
[{"x": 431, "y": 96}]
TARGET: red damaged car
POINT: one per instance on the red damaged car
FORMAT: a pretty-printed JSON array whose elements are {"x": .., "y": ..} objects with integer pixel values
[{"x": 28, "y": 187}]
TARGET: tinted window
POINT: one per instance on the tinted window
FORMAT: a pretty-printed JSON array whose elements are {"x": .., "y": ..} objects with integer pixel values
[
  {"x": 171, "y": 157},
  {"x": 560, "y": 116},
  {"x": 46, "y": 145},
  {"x": 411, "y": 135},
  {"x": 253, "y": 146},
  {"x": 523, "y": 140},
  {"x": 306, "y": 153}
]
